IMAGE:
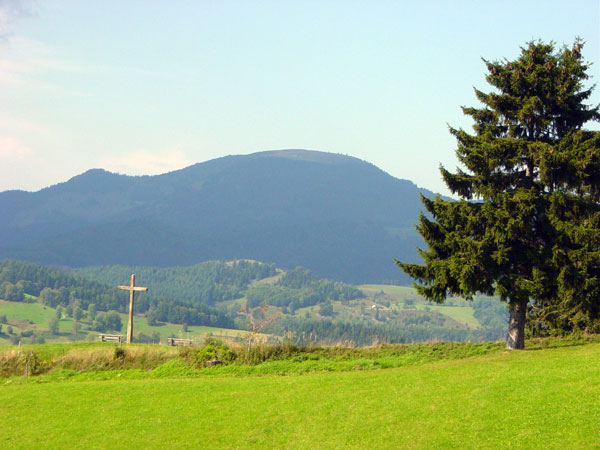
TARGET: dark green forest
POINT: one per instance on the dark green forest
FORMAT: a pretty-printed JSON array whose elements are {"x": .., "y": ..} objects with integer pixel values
[{"x": 205, "y": 283}]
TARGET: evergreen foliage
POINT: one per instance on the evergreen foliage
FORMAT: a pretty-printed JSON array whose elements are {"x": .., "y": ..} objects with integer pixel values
[
  {"x": 527, "y": 226},
  {"x": 205, "y": 283}
]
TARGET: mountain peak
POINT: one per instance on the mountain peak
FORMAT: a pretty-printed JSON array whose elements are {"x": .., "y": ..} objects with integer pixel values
[{"x": 307, "y": 155}]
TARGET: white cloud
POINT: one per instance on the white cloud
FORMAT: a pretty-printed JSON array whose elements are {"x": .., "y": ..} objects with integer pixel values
[
  {"x": 12, "y": 148},
  {"x": 143, "y": 162}
]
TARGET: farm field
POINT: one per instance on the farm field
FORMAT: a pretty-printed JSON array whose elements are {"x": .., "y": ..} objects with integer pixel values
[{"x": 539, "y": 398}]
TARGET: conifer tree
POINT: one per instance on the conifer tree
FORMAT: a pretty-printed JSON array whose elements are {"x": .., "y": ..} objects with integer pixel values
[{"x": 527, "y": 225}]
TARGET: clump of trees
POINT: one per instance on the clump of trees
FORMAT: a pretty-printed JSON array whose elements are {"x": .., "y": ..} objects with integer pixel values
[
  {"x": 299, "y": 288},
  {"x": 527, "y": 227},
  {"x": 110, "y": 321}
]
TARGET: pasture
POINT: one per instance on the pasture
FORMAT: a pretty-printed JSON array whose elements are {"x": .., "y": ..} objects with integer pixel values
[{"x": 538, "y": 398}]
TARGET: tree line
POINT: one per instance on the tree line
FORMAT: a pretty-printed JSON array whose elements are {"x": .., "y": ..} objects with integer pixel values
[{"x": 361, "y": 333}]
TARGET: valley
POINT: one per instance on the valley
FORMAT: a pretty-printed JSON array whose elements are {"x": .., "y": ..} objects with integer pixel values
[{"x": 186, "y": 301}]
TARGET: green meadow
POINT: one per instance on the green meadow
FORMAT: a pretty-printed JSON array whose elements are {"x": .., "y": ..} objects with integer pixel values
[
  {"x": 462, "y": 314},
  {"x": 538, "y": 398},
  {"x": 27, "y": 313}
]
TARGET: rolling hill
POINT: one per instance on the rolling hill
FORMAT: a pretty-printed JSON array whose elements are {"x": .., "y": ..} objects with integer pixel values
[{"x": 341, "y": 217}]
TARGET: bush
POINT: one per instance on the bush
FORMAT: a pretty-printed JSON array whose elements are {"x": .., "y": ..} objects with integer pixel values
[
  {"x": 326, "y": 309},
  {"x": 110, "y": 321},
  {"x": 257, "y": 354},
  {"x": 119, "y": 353},
  {"x": 38, "y": 340},
  {"x": 213, "y": 349}
]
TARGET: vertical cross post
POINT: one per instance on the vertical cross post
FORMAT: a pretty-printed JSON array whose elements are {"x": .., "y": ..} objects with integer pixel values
[{"x": 131, "y": 288}]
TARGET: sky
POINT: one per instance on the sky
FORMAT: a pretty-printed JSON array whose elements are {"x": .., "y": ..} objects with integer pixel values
[{"x": 147, "y": 87}]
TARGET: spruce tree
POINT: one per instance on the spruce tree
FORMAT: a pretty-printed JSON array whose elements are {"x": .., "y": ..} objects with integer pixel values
[{"x": 527, "y": 225}]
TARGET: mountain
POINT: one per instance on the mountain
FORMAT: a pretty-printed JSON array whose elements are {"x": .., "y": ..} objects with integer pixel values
[{"x": 341, "y": 217}]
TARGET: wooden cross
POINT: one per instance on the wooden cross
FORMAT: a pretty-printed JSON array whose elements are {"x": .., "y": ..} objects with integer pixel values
[{"x": 131, "y": 288}]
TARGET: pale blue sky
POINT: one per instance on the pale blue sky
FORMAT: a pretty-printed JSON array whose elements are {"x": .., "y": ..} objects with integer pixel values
[{"x": 145, "y": 87}]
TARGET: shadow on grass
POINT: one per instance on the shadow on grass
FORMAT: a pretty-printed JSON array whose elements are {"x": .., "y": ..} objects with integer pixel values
[{"x": 559, "y": 342}]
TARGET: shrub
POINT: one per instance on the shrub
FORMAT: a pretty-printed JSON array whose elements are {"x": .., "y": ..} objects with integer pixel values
[
  {"x": 213, "y": 349},
  {"x": 119, "y": 353},
  {"x": 38, "y": 340}
]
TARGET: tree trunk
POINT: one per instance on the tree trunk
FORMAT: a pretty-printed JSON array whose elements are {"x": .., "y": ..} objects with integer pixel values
[{"x": 516, "y": 325}]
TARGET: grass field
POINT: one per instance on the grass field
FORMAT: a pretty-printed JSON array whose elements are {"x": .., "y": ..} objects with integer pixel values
[
  {"x": 529, "y": 399},
  {"x": 37, "y": 313},
  {"x": 462, "y": 314}
]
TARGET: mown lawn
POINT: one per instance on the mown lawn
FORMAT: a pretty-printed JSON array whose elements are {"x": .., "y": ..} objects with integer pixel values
[{"x": 534, "y": 399}]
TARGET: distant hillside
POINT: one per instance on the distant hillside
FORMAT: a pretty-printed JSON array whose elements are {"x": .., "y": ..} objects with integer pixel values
[{"x": 341, "y": 217}]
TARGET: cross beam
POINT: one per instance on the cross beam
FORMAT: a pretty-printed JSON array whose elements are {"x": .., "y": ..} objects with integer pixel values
[{"x": 131, "y": 288}]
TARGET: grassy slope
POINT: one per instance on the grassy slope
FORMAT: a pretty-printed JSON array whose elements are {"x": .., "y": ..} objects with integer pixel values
[
  {"x": 462, "y": 314},
  {"x": 531, "y": 399},
  {"x": 39, "y": 314}
]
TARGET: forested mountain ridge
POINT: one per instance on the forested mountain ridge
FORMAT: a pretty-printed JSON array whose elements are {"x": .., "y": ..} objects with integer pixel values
[{"x": 338, "y": 216}]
